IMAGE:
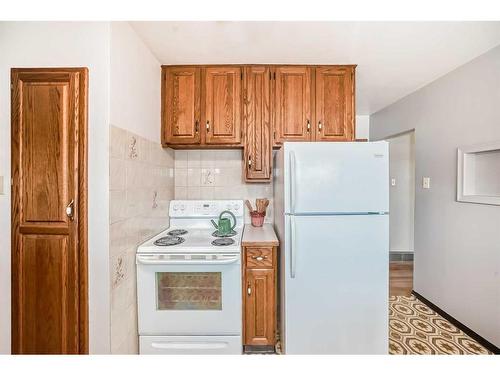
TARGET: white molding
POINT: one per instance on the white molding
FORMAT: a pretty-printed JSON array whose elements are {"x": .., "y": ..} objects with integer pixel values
[
  {"x": 399, "y": 251},
  {"x": 464, "y": 193}
]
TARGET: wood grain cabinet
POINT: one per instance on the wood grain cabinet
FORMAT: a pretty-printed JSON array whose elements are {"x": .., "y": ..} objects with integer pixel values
[
  {"x": 201, "y": 106},
  {"x": 259, "y": 301},
  {"x": 222, "y": 105},
  {"x": 257, "y": 123},
  {"x": 292, "y": 104},
  {"x": 334, "y": 103},
  {"x": 256, "y": 107},
  {"x": 181, "y": 95}
]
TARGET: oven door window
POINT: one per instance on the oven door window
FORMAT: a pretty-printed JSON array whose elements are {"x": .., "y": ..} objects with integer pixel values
[{"x": 189, "y": 290}]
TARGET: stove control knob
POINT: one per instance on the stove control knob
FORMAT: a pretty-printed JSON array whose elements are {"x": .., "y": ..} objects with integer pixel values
[
  {"x": 236, "y": 207},
  {"x": 176, "y": 207},
  {"x": 183, "y": 207},
  {"x": 228, "y": 207}
]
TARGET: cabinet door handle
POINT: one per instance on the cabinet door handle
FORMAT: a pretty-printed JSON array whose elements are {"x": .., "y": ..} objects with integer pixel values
[
  {"x": 208, "y": 127},
  {"x": 320, "y": 126},
  {"x": 69, "y": 210},
  {"x": 249, "y": 289},
  {"x": 249, "y": 161},
  {"x": 308, "y": 126},
  {"x": 259, "y": 257},
  {"x": 196, "y": 127}
]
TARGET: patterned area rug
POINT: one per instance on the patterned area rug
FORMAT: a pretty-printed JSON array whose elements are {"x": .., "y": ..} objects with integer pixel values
[{"x": 416, "y": 329}]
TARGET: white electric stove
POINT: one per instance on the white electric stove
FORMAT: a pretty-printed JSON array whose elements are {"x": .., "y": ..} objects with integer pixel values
[{"x": 189, "y": 282}]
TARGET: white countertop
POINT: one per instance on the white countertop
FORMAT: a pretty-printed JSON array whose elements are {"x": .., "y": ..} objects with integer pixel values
[{"x": 259, "y": 236}]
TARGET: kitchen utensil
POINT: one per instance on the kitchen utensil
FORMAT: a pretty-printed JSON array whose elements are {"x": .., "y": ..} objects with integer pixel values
[
  {"x": 262, "y": 204},
  {"x": 249, "y": 205},
  {"x": 224, "y": 224}
]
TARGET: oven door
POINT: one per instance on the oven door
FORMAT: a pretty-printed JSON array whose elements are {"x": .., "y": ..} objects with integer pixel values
[{"x": 196, "y": 294}]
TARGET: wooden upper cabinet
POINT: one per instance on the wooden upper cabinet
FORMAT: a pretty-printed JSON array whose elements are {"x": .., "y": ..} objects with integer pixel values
[
  {"x": 256, "y": 107},
  {"x": 292, "y": 104},
  {"x": 257, "y": 123},
  {"x": 222, "y": 105},
  {"x": 334, "y": 103},
  {"x": 181, "y": 90}
]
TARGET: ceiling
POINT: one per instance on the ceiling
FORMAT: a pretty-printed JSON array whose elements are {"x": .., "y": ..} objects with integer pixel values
[{"x": 393, "y": 58}]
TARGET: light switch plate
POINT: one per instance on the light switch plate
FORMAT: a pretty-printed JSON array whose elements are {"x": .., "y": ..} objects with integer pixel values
[
  {"x": 1, "y": 185},
  {"x": 426, "y": 182},
  {"x": 393, "y": 182}
]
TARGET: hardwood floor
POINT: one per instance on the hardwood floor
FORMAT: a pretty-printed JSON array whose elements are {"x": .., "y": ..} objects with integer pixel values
[{"x": 400, "y": 278}]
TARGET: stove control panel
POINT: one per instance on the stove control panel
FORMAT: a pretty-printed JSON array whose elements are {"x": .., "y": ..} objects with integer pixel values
[{"x": 208, "y": 208}]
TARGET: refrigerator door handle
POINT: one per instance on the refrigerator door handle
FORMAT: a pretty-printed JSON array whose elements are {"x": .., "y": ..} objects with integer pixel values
[
  {"x": 293, "y": 251},
  {"x": 292, "y": 182}
]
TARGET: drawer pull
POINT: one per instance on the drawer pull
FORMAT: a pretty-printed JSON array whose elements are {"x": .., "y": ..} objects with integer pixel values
[{"x": 259, "y": 257}]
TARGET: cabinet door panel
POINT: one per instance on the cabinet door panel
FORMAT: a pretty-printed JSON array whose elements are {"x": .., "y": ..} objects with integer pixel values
[
  {"x": 259, "y": 307},
  {"x": 181, "y": 105},
  {"x": 222, "y": 104},
  {"x": 292, "y": 104},
  {"x": 257, "y": 123},
  {"x": 334, "y": 104},
  {"x": 48, "y": 128}
]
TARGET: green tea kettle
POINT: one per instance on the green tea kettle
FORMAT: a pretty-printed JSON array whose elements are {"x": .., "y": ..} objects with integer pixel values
[{"x": 224, "y": 226}]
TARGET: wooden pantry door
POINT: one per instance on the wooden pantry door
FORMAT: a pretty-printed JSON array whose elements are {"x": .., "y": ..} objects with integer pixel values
[{"x": 49, "y": 211}]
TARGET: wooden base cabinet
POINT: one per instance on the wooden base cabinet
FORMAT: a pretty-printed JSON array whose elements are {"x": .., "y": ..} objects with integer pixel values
[{"x": 259, "y": 296}]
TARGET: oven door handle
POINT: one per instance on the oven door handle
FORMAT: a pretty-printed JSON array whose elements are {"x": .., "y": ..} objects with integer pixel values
[{"x": 157, "y": 261}]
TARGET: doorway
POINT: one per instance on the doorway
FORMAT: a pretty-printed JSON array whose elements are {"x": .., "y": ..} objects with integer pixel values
[
  {"x": 402, "y": 212},
  {"x": 49, "y": 210}
]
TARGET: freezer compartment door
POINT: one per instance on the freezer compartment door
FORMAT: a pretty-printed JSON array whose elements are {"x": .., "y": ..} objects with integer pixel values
[
  {"x": 336, "y": 285},
  {"x": 336, "y": 177}
]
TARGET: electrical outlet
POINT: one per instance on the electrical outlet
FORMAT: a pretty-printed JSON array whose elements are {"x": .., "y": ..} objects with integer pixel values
[
  {"x": 393, "y": 182},
  {"x": 426, "y": 182}
]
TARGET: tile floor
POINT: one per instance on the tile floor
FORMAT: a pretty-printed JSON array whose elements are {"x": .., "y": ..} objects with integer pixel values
[{"x": 416, "y": 329}]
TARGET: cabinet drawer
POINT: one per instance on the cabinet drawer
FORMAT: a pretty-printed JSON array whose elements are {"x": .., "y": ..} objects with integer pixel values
[{"x": 259, "y": 257}]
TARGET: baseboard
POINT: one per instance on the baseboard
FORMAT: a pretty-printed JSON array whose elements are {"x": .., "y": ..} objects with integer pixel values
[{"x": 488, "y": 345}]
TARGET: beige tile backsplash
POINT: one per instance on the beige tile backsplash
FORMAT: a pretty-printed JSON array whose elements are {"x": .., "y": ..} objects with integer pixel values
[
  {"x": 217, "y": 174},
  {"x": 141, "y": 187}
]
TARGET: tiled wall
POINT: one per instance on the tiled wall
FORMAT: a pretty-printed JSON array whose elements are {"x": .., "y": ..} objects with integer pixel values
[
  {"x": 217, "y": 174},
  {"x": 141, "y": 187}
]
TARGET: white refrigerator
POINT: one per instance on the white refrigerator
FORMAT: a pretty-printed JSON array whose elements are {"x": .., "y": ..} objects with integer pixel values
[{"x": 332, "y": 219}]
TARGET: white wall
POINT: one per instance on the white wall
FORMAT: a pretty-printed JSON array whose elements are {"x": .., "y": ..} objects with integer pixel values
[
  {"x": 135, "y": 84},
  {"x": 402, "y": 194},
  {"x": 457, "y": 245},
  {"x": 76, "y": 44},
  {"x": 362, "y": 127}
]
